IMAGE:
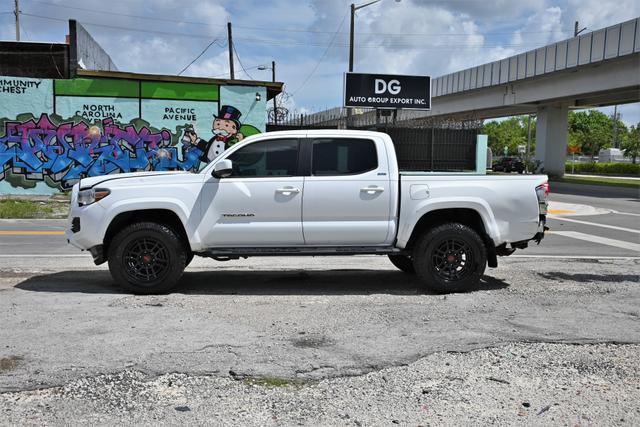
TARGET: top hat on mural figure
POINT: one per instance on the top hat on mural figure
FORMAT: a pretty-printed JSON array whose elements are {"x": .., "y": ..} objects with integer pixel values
[{"x": 227, "y": 112}]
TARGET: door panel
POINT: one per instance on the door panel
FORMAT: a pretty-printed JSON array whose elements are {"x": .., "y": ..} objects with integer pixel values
[
  {"x": 342, "y": 206},
  {"x": 260, "y": 204},
  {"x": 255, "y": 212}
]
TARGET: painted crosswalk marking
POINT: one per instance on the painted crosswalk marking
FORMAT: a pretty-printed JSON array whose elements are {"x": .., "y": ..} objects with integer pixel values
[
  {"x": 597, "y": 239},
  {"x": 594, "y": 224}
]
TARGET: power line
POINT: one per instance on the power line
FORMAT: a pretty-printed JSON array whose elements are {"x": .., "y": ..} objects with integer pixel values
[
  {"x": 199, "y": 55},
  {"x": 322, "y": 57},
  {"x": 284, "y": 43},
  {"x": 148, "y": 18},
  {"x": 226, "y": 73},
  {"x": 300, "y": 30},
  {"x": 115, "y": 27},
  {"x": 286, "y": 30},
  {"x": 378, "y": 45},
  {"x": 233, "y": 46}
]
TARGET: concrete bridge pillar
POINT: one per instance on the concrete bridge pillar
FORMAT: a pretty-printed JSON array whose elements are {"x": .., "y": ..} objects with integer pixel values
[{"x": 551, "y": 138}]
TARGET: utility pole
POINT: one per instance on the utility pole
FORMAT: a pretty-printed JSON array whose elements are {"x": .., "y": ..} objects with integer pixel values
[
  {"x": 351, "y": 30},
  {"x": 273, "y": 79},
  {"x": 230, "y": 43},
  {"x": 526, "y": 163},
  {"x": 17, "y": 13}
]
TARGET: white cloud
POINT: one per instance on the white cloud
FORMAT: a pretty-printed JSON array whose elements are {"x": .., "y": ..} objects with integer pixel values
[
  {"x": 217, "y": 66},
  {"x": 595, "y": 14},
  {"x": 541, "y": 28}
]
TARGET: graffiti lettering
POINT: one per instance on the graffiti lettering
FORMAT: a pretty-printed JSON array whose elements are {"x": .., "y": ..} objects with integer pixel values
[{"x": 69, "y": 151}]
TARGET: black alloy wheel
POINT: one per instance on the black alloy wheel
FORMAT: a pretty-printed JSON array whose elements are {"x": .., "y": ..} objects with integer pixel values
[
  {"x": 147, "y": 258},
  {"x": 450, "y": 257}
]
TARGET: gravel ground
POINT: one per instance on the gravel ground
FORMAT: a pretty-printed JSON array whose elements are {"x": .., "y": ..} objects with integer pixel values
[
  {"x": 344, "y": 341},
  {"x": 526, "y": 383}
]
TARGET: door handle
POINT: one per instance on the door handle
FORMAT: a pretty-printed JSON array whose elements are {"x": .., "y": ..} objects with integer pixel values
[
  {"x": 287, "y": 191},
  {"x": 372, "y": 189}
]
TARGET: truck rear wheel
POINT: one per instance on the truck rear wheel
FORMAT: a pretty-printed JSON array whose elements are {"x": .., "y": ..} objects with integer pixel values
[
  {"x": 450, "y": 258},
  {"x": 147, "y": 258},
  {"x": 403, "y": 263}
]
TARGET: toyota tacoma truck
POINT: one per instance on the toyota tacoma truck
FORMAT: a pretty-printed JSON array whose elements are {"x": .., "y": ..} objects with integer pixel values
[{"x": 308, "y": 192}]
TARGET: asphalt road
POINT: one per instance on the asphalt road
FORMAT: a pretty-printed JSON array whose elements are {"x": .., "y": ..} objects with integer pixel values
[{"x": 76, "y": 349}]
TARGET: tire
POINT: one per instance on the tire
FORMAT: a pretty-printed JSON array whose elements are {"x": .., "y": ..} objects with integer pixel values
[
  {"x": 147, "y": 258},
  {"x": 189, "y": 259},
  {"x": 403, "y": 263},
  {"x": 450, "y": 258}
]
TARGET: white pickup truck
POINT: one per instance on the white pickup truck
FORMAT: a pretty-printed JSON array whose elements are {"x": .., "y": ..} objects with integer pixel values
[{"x": 311, "y": 192}]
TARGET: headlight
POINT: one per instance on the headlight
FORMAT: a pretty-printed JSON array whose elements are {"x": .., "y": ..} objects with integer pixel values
[{"x": 92, "y": 195}]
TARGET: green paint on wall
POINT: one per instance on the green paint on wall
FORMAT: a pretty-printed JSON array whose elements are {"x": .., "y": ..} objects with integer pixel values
[
  {"x": 98, "y": 87},
  {"x": 180, "y": 91}
]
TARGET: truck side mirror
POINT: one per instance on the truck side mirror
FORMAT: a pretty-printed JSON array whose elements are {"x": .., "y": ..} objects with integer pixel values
[{"x": 222, "y": 169}]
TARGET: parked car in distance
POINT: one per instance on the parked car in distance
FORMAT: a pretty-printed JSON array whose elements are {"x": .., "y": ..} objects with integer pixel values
[
  {"x": 307, "y": 192},
  {"x": 509, "y": 164}
]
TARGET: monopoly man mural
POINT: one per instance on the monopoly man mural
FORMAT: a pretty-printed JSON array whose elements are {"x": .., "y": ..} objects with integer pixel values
[
  {"x": 226, "y": 132},
  {"x": 54, "y": 132}
]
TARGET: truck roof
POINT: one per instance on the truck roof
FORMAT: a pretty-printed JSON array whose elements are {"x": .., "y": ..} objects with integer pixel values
[{"x": 325, "y": 132}]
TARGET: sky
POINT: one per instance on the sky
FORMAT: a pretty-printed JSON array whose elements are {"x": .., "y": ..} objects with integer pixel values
[{"x": 308, "y": 39}]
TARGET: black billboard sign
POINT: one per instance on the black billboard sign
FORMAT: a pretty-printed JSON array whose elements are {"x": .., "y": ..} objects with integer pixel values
[{"x": 387, "y": 91}]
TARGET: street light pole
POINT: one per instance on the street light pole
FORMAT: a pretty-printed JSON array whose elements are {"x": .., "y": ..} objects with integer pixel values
[
  {"x": 275, "y": 108},
  {"x": 351, "y": 38},
  {"x": 351, "y": 30},
  {"x": 273, "y": 79}
]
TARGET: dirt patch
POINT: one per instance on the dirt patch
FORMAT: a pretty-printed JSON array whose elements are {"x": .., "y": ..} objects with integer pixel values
[{"x": 9, "y": 363}]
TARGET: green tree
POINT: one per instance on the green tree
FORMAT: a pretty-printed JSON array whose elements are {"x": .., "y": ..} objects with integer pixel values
[
  {"x": 508, "y": 133},
  {"x": 592, "y": 131},
  {"x": 631, "y": 144}
]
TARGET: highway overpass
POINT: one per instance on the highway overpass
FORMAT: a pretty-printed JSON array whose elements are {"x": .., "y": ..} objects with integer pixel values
[{"x": 596, "y": 69}]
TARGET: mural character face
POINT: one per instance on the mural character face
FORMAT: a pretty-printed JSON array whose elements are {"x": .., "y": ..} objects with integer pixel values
[{"x": 224, "y": 127}]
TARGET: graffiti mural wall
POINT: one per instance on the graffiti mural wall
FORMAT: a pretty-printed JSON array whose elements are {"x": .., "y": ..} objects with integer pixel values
[{"x": 53, "y": 132}]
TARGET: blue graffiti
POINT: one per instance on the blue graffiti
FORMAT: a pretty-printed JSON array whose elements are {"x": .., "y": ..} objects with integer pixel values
[{"x": 68, "y": 151}]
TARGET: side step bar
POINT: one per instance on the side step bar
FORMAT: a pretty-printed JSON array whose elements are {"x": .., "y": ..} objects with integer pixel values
[{"x": 305, "y": 251}]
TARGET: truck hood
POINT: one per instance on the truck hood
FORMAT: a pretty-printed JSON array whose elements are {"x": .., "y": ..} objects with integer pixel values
[{"x": 96, "y": 180}]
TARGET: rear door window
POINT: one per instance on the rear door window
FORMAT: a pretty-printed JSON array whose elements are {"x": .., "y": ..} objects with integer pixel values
[{"x": 343, "y": 156}]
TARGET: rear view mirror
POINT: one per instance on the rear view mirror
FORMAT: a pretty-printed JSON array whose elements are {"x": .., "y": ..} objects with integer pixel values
[{"x": 222, "y": 169}]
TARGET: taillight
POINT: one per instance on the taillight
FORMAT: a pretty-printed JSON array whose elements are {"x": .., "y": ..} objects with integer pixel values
[
  {"x": 547, "y": 188},
  {"x": 542, "y": 193}
]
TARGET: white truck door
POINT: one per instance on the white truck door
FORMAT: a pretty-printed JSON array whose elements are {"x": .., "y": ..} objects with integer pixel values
[
  {"x": 260, "y": 204},
  {"x": 347, "y": 197}
]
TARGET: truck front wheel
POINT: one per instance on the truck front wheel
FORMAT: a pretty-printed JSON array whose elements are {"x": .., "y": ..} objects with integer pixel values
[
  {"x": 450, "y": 258},
  {"x": 147, "y": 258}
]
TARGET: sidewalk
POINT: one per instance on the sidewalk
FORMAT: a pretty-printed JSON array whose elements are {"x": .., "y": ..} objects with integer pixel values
[{"x": 578, "y": 175}]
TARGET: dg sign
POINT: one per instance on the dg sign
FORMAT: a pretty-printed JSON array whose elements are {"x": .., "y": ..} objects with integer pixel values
[{"x": 387, "y": 91}]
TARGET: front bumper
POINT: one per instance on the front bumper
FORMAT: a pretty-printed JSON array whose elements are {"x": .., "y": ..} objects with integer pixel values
[{"x": 84, "y": 225}]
